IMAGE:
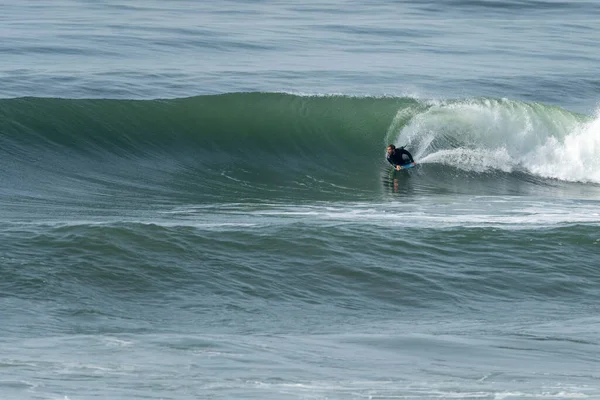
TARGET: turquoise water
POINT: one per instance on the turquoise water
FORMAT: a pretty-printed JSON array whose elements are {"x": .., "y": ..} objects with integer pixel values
[{"x": 195, "y": 203}]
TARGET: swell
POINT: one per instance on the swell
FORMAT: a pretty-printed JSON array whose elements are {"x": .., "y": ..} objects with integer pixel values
[{"x": 315, "y": 265}]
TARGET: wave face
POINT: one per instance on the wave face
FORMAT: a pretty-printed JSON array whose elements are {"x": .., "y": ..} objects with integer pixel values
[{"x": 274, "y": 145}]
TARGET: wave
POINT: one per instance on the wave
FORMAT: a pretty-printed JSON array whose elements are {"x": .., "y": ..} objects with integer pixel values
[
  {"x": 256, "y": 143},
  {"x": 142, "y": 260}
]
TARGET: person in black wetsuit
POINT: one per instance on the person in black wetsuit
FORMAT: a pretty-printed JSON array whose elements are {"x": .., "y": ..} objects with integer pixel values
[{"x": 398, "y": 157}]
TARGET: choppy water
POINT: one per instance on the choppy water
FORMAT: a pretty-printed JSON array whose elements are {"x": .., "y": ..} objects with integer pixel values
[{"x": 194, "y": 201}]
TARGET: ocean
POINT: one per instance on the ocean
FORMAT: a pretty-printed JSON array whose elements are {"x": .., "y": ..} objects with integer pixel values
[{"x": 195, "y": 201}]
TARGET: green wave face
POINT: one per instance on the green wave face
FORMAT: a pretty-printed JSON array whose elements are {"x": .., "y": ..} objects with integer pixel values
[
  {"x": 266, "y": 122},
  {"x": 270, "y": 145}
]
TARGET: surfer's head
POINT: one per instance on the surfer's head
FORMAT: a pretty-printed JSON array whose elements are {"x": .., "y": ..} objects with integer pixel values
[{"x": 390, "y": 149}]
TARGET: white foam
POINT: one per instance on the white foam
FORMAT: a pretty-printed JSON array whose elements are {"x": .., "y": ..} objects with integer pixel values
[
  {"x": 575, "y": 158},
  {"x": 508, "y": 213},
  {"x": 483, "y": 134},
  {"x": 544, "y": 395}
]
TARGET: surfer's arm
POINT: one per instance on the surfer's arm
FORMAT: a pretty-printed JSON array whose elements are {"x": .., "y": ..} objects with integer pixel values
[{"x": 396, "y": 166}]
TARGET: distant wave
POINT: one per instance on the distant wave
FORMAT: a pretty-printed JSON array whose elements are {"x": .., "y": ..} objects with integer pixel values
[{"x": 252, "y": 142}]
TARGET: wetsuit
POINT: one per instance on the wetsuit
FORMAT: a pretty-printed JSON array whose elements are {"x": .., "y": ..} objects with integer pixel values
[{"x": 400, "y": 157}]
